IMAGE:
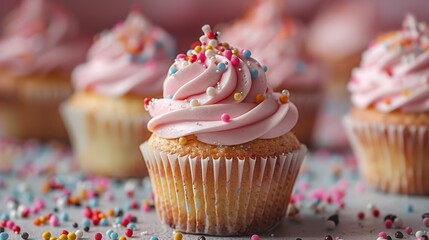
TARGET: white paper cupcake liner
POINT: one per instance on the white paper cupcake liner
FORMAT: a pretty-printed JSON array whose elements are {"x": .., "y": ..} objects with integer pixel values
[
  {"x": 222, "y": 196},
  {"x": 105, "y": 144},
  {"x": 393, "y": 158}
]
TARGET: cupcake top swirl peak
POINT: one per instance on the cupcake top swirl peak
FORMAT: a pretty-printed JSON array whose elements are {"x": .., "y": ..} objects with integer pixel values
[
  {"x": 394, "y": 72},
  {"x": 131, "y": 58},
  {"x": 40, "y": 36},
  {"x": 219, "y": 94}
]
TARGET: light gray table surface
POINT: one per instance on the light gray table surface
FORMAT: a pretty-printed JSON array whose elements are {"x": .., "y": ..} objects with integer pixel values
[{"x": 317, "y": 176}]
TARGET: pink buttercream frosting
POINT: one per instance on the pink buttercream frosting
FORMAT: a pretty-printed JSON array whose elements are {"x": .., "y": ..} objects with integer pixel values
[
  {"x": 40, "y": 36},
  {"x": 131, "y": 58},
  {"x": 276, "y": 40},
  {"x": 220, "y": 94},
  {"x": 394, "y": 72}
]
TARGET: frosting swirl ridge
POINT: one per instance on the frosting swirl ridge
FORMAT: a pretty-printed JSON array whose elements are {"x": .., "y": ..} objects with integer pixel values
[
  {"x": 394, "y": 72},
  {"x": 220, "y": 95}
]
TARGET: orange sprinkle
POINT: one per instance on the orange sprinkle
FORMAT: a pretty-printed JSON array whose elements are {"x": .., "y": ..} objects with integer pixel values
[
  {"x": 259, "y": 98},
  {"x": 387, "y": 101},
  {"x": 101, "y": 215},
  {"x": 110, "y": 212},
  {"x": 284, "y": 98},
  {"x": 37, "y": 222}
]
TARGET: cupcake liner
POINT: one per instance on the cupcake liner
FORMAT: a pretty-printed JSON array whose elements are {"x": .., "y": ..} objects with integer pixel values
[
  {"x": 220, "y": 196},
  {"x": 105, "y": 144},
  {"x": 392, "y": 158}
]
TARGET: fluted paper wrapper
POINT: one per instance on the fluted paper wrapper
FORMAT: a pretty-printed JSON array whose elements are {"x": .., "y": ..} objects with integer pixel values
[
  {"x": 393, "y": 158},
  {"x": 222, "y": 196},
  {"x": 107, "y": 145}
]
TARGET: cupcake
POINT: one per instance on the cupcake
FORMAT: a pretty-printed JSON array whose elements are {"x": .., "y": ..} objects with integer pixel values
[
  {"x": 388, "y": 123},
  {"x": 106, "y": 117},
  {"x": 39, "y": 46},
  {"x": 278, "y": 42},
  {"x": 221, "y": 159}
]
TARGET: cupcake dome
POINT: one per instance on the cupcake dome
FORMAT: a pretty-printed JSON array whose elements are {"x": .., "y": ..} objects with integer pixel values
[
  {"x": 221, "y": 159},
  {"x": 106, "y": 116},
  {"x": 388, "y": 124}
]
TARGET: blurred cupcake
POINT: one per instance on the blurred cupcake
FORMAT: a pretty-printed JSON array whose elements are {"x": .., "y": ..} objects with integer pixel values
[
  {"x": 277, "y": 41},
  {"x": 39, "y": 47},
  {"x": 388, "y": 123},
  {"x": 106, "y": 117},
  {"x": 221, "y": 159}
]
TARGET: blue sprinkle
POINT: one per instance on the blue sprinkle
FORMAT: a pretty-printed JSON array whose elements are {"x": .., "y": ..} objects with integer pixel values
[
  {"x": 127, "y": 206},
  {"x": 221, "y": 67},
  {"x": 265, "y": 68},
  {"x": 410, "y": 208},
  {"x": 172, "y": 70},
  {"x": 300, "y": 66},
  {"x": 118, "y": 220},
  {"x": 4, "y": 216},
  {"x": 109, "y": 233},
  {"x": 130, "y": 57},
  {"x": 93, "y": 203},
  {"x": 189, "y": 52},
  {"x": 254, "y": 73},
  {"x": 132, "y": 226},
  {"x": 64, "y": 217},
  {"x": 169, "y": 97},
  {"x": 114, "y": 235},
  {"x": 4, "y": 236},
  {"x": 246, "y": 53},
  {"x": 104, "y": 222},
  {"x": 86, "y": 222},
  {"x": 154, "y": 238}
]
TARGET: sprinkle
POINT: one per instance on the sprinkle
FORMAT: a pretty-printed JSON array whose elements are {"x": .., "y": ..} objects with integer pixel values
[
  {"x": 189, "y": 52},
  {"x": 426, "y": 221},
  {"x": 183, "y": 140},
  {"x": 225, "y": 117},
  {"x": 193, "y": 58},
  {"x": 209, "y": 47},
  {"x": 172, "y": 70},
  {"x": 329, "y": 225},
  {"x": 194, "y": 103},
  {"x": 71, "y": 236},
  {"x": 235, "y": 61},
  {"x": 235, "y": 52},
  {"x": 408, "y": 230},
  {"x": 213, "y": 43},
  {"x": 399, "y": 234},
  {"x": 210, "y": 53},
  {"x": 255, "y": 237},
  {"x": 79, "y": 233},
  {"x": 228, "y": 54},
  {"x": 129, "y": 232},
  {"x": 178, "y": 236},
  {"x": 4, "y": 236},
  {"x": 398, "y": 223},
  {"x": 283, "y": 98},
  {"x": 388, "y": 223},
  {"x": 328, "y": 237},
  {"x": 382, "y": 234},
  {"x": 419, "y": 234},
  {"x": 53, "y": 221},
  {"x": 265, "y": 68},
  {"x": 122, "y": 238},
  {"x": 181, "y": 56},
  {"x": 154, "y": 237},
  {"x": 211, "y": 91},
  {"x": 254, "y": 73},
  {"x": 259, "y": 98},
  {"x": 361, "y": 215},
  {"x": 246, "y": 53},
  {"x": 25, "y": 235},
  {"x": 201, "y": 57},
  {"x": 210, "y": 35},
  {"x": 114, "y": 235},
  {"x": 238, "y": 96},
  {"x": 221, "y": 67},
  {"x": 98, "y": 236},
  {"x": 197, "y": 49},
  {"x": 46, "y": 235}
]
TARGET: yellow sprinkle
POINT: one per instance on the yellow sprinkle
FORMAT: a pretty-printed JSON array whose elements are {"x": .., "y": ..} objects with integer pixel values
[
  {"x": 259, "y": 98},
  {"x": 183, "y": 140},
  {"x": 225, "y": 45},
  {"x": 53, "y": 238},
  {"x": 178, "y": 236},
  {"x": 197, "y": 49},
  {"x": 101, "y": 215},
  {"x": 209, "y": 47},
  {"x": 122, "y": 238},
  {"x": 46, "y": 235},
  {"x": 71, "y": 236},
  {"x": 63, "y": 237},
  {"x": 284, "y": 98},
  {"x": 235, "y": 52},
  {"x": 237, "y": 96},
  {"x": 406, "y": 93}
]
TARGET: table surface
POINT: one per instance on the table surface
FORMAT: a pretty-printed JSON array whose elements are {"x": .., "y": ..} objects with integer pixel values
[{"x": 324, "y": 174}]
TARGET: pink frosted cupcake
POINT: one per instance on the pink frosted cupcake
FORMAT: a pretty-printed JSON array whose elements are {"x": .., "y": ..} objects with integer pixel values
[
  {"x": 277, "y": 41},
  {"x": 106, "y": 117},
  {"x": 39, "y": 46},
  {"x": 388, "y": 125},
  {"x": 221, "y": 159}
]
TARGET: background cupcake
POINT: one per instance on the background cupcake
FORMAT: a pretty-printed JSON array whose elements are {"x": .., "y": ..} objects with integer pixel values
[
  {"x": 39, "y": 46},
  {"x": 388, "y": 124},
  {"x": 221, "y": 159},
  {"x": 106, "y": 116},
  {"x": 277, "y": 41}
]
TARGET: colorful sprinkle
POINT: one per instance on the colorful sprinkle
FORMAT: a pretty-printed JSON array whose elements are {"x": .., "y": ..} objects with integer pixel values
[
  {"x": 254, "y": 73},
  {"x": 221, "y": 67},
  {"x": 259, "y": 98},
  {"x": 178, "y": 236},
  {"x": 283, "y": 98},
  {"x": 246, "y": 53},
  {"x": 255, "y": 237},
  {"x": 235, "y": 61},
  {"x": 183, "y": 140},
  {"x": 238, "y": 96},
  {"x": 265, "y": 68},
  {"x": 225, "y": 117},
  {"x": 172, "y": 70}
]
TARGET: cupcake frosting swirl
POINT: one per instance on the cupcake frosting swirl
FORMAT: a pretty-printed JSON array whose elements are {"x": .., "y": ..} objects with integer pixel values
[
  {"x": 277, "y": 42},
  {"x": 131, "y": 58},
  {"x": 39, "y": 36},
  {"x": 219, "y": 94},
  {"x": 394, "y": 72}
]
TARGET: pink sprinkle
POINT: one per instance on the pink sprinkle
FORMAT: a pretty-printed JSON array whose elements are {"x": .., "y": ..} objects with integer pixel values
[
  {"x": 235, "y": 61},
  {"x": 225, "y": 117},
  {"x": 127, "y": 216},
  {"x": 382, "y": 234},
  {"x": 39, "y": 203},
  {"x": 10, "y": 224},
  {"x": 228, "y": 54},
  {"x": 317, "y": 193},
  {"x": 255, "y": 237},
  {"x": 34, "y": 210},
  {"x": 388, "y": 223},
  {"x": 426, "y": 221},
  {"x": 201, "y": 57},
  {"x": 146, "y": 207},
  {"x": 53, "y": 221},
  {"x": 408, "y": 230},
  {"x": 181, "y": 56}
]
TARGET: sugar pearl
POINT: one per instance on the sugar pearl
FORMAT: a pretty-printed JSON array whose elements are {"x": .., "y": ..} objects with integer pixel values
[
  {"x": 211, "y": 91},
  {"x": 194, "y": 103}
]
